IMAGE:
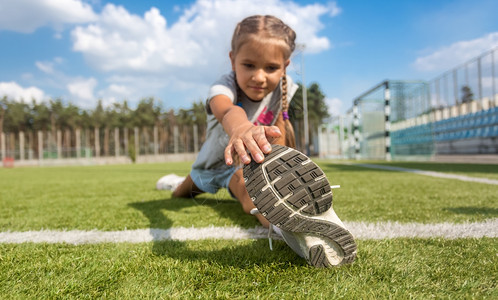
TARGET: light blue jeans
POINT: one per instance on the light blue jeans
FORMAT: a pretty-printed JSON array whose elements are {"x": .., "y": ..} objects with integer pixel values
[{"x": 211, "y": 181}]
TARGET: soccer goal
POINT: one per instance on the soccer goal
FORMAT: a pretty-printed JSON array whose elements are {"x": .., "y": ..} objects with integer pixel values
[{"x": 380, "y": 116}]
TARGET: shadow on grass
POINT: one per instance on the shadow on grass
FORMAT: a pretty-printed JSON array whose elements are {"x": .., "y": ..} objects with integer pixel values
[
  {"x": 248, "y": 255},
  {"x": 474, "y": 210},
  {"x": 154, "y": 209}
]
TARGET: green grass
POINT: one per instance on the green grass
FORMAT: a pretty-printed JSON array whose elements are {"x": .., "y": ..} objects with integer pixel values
[
  {"x": 398, "y": 269},
  {"x": 107, "y": 198},
  {"x": 377, "y": 195},
  {"x": 473, "y": 170},
  {"x": 124, "y": 196}
]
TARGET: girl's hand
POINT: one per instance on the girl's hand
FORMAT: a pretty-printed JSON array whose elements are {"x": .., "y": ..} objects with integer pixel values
[{"x": 250, "y": 138}]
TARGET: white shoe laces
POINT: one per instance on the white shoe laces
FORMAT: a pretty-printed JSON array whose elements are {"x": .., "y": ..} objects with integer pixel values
[{"x": 255, "y": 211}]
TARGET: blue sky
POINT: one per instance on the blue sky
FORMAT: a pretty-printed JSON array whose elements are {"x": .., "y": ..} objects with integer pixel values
[{"x": 82, "y": 51}]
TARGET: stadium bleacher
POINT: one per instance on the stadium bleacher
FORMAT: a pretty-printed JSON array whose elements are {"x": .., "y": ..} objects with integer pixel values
[
  {"x": 481, "y": 124},
  {"x": 468, "y": 131}
]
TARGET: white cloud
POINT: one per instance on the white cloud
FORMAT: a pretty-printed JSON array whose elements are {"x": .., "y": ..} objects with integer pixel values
[
  {"x": 334, "y": 10},
  {"x": 455, "y": 54},
  {"x": 334, "y": 105},
  {"x": 12, "y": 90},
  {"x": 193, "y": 48},
  {"x": 81, "y": 91},
  {"x": 119, "y": 89},
  {"x": 115, "y": 93},
  {"x": 144, "y": 55},
  {"x": 48, "y": 67},
  {"x": 148, "y": 55},
  {"x": 28, "y": 15},
  {"x": 175, "y": 92}
]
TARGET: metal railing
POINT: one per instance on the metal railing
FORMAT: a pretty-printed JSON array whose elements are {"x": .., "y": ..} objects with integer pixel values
[{"x": 100, "y": 142}]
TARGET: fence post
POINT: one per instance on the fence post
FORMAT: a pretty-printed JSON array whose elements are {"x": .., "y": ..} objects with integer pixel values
[
  {"x": 387, "y": 124},
  {"x": 30, "y": 145},
  {"x": 116, "y": 142},
  {"x": 88, "y": 151},
  {"x": 77, "y": 134},
  {"x": 97, "y": 142},
  {"x": 106, "y": 141},
  {"x": 2, "y": 146},
  {"x": 59, "y": 144},
  {"x": 125, "y": 133},
  {"x": 176, "y": 137},
  {"x": 455, "y": 87},
  {"x": 196, "y": 139},
  {"x": 67, "y": 139},
  {"x": 40, "y": 145},
  {"x": 479, "y": 79},
  {"x": 137, "y": 146},
  {"x": 493, "y": 88},
  {"x": 146, "y": 140},
  {"x": 21, "y": 145},
  {"x": 341, "y": 136},
  {"x": 438, "y": 99},
  {"x": 156, "y": 138}
]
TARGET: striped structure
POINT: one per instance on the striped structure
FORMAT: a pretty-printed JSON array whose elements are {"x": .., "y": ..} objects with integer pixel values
[
  {"x": 356, "y": 130},
  {"x": 387, "y": 124}
]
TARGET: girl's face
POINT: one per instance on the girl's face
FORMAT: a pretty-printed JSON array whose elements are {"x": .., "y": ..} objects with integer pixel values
[{"x": 258, "y": 68}]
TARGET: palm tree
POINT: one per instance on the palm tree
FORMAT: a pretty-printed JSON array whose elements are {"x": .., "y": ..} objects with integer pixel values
[
  {"x": 17, "y": 118},
  {"x": 40, "y": 116}
]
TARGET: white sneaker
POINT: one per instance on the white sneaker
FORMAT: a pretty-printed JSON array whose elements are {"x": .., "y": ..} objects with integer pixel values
[
  {"x": 293, "y": 193},
  {"x": 169, "y": 182}
]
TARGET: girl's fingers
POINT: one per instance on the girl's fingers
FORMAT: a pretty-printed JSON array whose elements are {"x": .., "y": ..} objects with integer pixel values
[
  {"x": 255, "y": 141},
  {"x": 260, "y": 144},
  {"x": 241, "y": 151},
  {"x": 255, "y": 150},
  {"x": 228, "y": 155},
  {"x": 269, "y": 134},
  {"x": 272, "y": 131}
]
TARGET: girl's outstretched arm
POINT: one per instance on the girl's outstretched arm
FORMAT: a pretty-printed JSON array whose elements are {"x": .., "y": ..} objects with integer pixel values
[{"x": 244, "y": 136}]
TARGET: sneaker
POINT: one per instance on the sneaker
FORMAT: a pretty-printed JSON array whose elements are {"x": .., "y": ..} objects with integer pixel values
[
  {"x": 169, "y": 182},
  {"x": 293, "y": 194}
]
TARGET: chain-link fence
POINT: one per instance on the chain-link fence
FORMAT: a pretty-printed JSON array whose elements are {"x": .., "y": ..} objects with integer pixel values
[
  {"x": 455, "y": 113},
  {"x": 471, "y": 81}
]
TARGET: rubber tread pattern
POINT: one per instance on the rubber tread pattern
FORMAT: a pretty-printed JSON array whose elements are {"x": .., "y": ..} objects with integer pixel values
[
  {"x": 318, "y": 257},
  {"x": 288, "y": 193}
]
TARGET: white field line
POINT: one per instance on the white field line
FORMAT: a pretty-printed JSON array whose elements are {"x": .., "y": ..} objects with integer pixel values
[
  {"x": 431, "y": 173},
  {"x": 361, "y": 230}
]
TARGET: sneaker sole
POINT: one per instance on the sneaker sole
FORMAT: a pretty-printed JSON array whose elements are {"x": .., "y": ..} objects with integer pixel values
[{"x": 290, "y": 191}]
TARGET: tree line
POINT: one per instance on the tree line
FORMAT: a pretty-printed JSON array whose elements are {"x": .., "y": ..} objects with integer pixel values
[{"x": 56, "y": 114}]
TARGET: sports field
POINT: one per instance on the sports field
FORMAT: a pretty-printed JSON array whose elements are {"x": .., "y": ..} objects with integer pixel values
[{"x": 106, "y": 232}]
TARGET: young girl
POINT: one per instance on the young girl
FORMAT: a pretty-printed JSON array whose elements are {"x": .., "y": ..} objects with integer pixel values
[{"x": 247, "y": 110}]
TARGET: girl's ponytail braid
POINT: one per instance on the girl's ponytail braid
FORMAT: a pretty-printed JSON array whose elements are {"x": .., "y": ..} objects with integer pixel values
[
  {"x": 285, "y": 104},
  {"x": 290, "y": 138}
]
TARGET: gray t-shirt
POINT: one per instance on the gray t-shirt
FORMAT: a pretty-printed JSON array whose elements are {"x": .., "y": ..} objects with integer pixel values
[{"x": 264, "y": 112}]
